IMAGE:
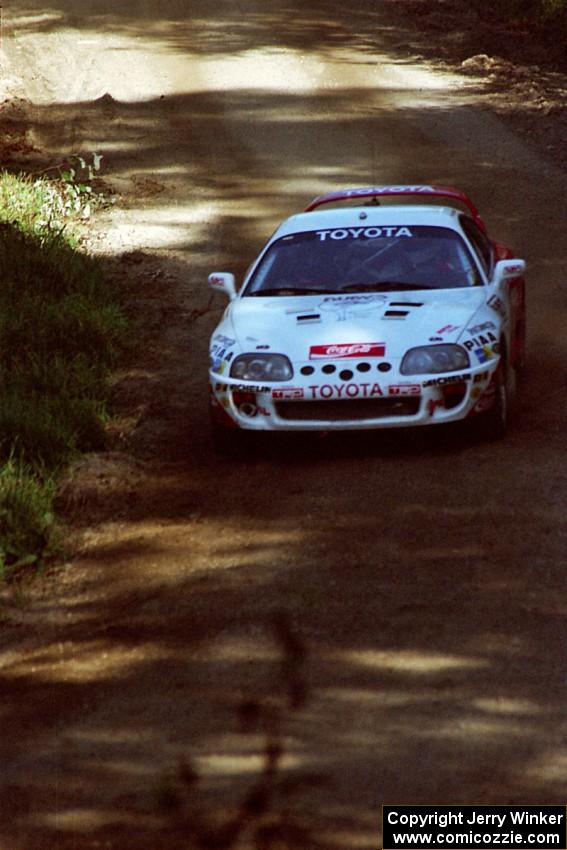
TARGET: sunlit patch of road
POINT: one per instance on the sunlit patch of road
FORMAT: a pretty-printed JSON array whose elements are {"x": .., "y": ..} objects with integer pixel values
[{"x": 75, "y": 70}]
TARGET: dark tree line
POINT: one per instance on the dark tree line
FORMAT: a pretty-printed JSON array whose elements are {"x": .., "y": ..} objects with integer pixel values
[{"x": 542, "y": 13}]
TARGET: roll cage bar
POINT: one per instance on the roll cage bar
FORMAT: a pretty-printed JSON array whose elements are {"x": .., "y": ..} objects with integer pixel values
[{"x": 393, "y": 191}]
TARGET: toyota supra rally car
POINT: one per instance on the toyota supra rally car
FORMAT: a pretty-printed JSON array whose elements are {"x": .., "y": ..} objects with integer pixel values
[{"x": 380, "y": 307}]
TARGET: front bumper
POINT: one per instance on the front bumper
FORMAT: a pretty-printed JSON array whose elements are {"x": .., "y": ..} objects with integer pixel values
[{"x": 360, "y": 403}]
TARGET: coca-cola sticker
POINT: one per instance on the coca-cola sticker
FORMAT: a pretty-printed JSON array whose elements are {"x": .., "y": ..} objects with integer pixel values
[{"x": 347, "y": 349}]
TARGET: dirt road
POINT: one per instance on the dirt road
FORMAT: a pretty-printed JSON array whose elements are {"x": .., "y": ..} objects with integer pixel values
[{"x": 423, "y": 578}]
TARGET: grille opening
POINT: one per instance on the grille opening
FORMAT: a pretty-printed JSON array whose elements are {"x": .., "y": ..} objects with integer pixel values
[
  {"x": 453, "y": 394},
  {"x": 347, "y": 410}
]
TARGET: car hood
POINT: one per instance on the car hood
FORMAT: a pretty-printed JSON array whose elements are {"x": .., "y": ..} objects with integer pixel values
[{"x": 296, "y": 326}]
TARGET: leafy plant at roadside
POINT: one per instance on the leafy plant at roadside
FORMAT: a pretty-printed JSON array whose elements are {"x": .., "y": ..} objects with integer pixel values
[
  {"x": 61, "y": 332},
  {"x": 45, "y": 206},
  {"x": 76, "y": 195},
  {"x": 27, "y": 521},
  {"x": 48, "y": 429}
]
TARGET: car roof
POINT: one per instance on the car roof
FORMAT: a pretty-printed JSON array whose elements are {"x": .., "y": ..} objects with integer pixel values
[
  {"x": 411, "y": 194},
  {"x": 371, "y": 216}
]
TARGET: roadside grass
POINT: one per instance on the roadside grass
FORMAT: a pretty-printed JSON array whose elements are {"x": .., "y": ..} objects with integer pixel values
[
  {"x": 62, "y": 331},
  {"x": 537, "y": 10},
  {"x": 27, "y": 521},
  {"x": 549, "y": 17}
]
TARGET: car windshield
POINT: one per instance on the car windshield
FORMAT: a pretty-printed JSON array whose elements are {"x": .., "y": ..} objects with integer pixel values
[{"x": 365, "y": 259}]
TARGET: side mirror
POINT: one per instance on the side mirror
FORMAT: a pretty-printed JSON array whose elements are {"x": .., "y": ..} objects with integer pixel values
[
  {"x": 223, "y": 282},
  {"x": 508, "y": 270}
]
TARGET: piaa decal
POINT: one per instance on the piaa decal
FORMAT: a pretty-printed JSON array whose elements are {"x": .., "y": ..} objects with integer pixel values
[{"x": 480, "y": 341}]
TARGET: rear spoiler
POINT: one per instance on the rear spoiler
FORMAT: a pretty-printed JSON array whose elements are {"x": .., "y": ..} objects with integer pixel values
[{"x": 392, "y": 191}]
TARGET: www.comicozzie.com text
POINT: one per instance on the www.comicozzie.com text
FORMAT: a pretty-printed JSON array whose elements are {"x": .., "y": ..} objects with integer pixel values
[
  {"x": 474, "y": 827},
  {"x": 444, "y": 819}
]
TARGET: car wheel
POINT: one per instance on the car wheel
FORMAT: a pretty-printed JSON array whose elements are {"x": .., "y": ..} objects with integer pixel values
[
  {"x": 497, "y": 419},
  {"x": 520, "y": 365}
]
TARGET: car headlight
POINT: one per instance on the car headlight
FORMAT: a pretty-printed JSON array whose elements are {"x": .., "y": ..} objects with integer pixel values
[
  {"x": 261, "y": 367},
  {"x": 434, "y": 359}
]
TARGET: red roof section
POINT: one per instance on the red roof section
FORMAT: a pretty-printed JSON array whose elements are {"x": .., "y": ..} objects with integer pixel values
[{"x": 391, "y": 191}]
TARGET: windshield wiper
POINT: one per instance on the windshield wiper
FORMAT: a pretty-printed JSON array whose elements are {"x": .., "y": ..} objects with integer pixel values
[{"x": 383, "y": 286}]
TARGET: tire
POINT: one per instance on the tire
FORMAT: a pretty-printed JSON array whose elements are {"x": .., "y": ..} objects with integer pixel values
[
  {"x": 520, "y": 364},
  {"x": 497, "y": 420}
]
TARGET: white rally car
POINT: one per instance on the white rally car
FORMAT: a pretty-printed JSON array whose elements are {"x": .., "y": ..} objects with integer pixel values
[{"x": 390, "y": 308}]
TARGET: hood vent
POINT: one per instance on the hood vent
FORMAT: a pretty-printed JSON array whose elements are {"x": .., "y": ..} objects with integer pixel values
[
  {"x": 402, "y": 311},
  {"x": 308, "y": 318},
  {"x": 395, "y": 314}
]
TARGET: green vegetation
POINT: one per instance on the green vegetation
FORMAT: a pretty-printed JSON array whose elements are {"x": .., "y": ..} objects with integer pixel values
[
  {"x": 27, "y": 523},
  {"x": 549, "y": 16},
  {"x": 61, "y": 332},
  {"x": 540, "y": 10}
]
